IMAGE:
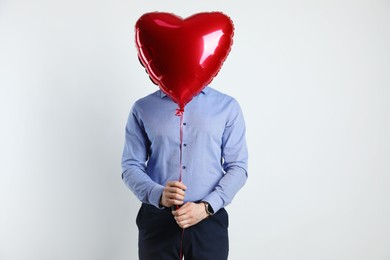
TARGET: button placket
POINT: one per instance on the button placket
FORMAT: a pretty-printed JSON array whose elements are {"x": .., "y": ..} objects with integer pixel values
[{"x": 184, "y": 145}]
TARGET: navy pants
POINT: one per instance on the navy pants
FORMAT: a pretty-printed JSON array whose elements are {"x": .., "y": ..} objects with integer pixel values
[{"x": 160, "y": 237}]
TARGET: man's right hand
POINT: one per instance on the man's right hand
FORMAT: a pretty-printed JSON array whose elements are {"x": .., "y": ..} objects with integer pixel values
[{"x": 173, "y": 194}]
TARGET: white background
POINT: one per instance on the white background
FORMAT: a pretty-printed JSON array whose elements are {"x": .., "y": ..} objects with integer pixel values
[{"x": 314, "y": 84}]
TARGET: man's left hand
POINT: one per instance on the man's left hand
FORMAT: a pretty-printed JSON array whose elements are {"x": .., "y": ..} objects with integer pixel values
[{"x": 190, "y": 214}]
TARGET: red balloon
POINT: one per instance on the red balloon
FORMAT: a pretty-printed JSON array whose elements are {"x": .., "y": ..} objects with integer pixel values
[{"x": 182, "y": 56}]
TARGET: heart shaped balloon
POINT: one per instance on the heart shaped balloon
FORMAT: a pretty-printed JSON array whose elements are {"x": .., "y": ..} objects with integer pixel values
[{"x": 182, "y": 56}]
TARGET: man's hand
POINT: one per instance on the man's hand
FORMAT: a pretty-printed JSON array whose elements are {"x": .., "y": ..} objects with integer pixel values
[
  {"x": 190, "y": 214},
  {"x": 173, "y": 194}
]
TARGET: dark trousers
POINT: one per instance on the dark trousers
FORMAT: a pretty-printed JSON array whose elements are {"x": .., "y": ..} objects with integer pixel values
[{"x": 160, "y": 237}]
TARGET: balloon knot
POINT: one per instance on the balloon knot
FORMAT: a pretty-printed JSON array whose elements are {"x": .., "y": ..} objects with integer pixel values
[{"x": 179, "y": 111}]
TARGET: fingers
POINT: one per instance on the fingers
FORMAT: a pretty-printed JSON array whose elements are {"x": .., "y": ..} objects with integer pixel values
[
  {"x": 170, "y": 199},
  {"x": 184, "y": 215},
  {"x": 182, "y": 210},
  {"x": 176, "y": 191},
  {"x": 184, "y": 224},
  {"x": 173, "y": 194},
  {"x": 174, "y": 199},
  {"x": 177, "y": 184},
  {"x": 184, "y": 220}
]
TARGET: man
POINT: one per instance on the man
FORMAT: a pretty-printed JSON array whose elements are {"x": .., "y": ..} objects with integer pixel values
[{"x": 188, "y": 216}]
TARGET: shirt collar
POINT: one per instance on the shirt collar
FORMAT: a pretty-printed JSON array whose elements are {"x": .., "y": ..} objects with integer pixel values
[{"x": 204, "y": 91}]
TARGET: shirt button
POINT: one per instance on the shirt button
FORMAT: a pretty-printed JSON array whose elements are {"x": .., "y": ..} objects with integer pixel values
[
  {"x": 184, "y": 123},
  {"x": 184, "y": 167},
  {"x": 184, "y": 145}
]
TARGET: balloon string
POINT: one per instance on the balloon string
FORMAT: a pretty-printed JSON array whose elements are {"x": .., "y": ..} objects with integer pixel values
[
  {"x": 180, "y": 112},
  {"x": 181, "y": 146}
]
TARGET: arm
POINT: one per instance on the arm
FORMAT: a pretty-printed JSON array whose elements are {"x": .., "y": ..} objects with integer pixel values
[
  {"x": 134, "y": 174},
  {"x": 235, "y": 160},
  {"x": 134, "y": 158}
]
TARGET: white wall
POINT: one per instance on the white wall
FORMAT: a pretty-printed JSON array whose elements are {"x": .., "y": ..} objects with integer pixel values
[{"x": 312, "y": 78}]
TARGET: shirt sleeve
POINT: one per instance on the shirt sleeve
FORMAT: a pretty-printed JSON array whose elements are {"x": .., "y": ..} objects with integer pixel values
[
  {"x": 235, "y": 160},
  {"x": 134, "y": 159}
]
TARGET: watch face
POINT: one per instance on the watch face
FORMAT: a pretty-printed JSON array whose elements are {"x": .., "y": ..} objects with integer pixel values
[{"x": 209, "y": 209}]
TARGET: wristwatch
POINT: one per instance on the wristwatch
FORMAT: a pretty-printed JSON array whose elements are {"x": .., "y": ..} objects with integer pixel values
[{"x": 208, "y": 208}]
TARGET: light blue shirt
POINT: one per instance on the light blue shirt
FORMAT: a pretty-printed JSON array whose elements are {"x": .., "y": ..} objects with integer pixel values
[{"x": 214, "y": 152}]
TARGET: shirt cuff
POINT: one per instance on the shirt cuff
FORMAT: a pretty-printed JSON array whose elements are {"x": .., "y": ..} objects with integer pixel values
[
  {"x": 155, "y": 196},
  {"x": 214, "y": 200}
]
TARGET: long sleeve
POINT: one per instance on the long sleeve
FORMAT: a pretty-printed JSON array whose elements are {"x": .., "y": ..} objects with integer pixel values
[
  {"x": 134, "y": 159},
  {"x": 235, "y": 160}
]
